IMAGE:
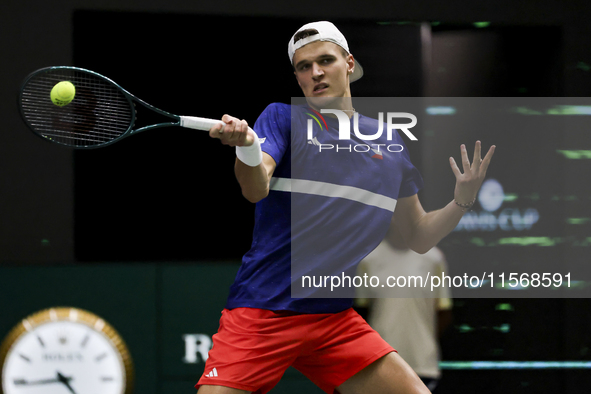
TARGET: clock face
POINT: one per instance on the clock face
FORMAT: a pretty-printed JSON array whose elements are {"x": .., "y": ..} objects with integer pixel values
[{"x": 68, "y": 351}]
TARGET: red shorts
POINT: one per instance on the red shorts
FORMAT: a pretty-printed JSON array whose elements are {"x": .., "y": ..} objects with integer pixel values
[{"x": 254, "y": 347}]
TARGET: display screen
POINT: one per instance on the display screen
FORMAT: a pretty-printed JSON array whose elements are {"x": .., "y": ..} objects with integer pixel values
[{"x": 527, "y": 234}]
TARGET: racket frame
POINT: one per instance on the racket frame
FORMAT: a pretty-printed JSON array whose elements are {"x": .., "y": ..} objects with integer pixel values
[{"x": 132, "y": 100}]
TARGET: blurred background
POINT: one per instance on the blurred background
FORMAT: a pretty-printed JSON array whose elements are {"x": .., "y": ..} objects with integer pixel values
[{"x": 148, "y": 233}]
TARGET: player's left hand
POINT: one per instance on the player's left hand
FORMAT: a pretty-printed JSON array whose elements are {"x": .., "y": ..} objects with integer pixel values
[{"x": 468, "y": 183}]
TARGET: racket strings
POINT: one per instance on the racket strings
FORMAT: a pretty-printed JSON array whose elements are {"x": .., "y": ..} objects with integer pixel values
[{"x": 98, "y": 114}]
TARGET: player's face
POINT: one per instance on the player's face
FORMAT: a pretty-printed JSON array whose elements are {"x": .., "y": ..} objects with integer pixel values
[{"x": 322, "y": 71}]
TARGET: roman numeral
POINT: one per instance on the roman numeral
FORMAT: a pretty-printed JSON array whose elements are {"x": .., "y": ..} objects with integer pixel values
[
  {"x": 100, "y": 357},
  {"x": 85, "y": 341},
  {"x": 27, "y": 359}
]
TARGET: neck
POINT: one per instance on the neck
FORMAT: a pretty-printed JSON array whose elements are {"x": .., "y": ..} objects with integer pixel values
[{"x": 344, "y": 104}]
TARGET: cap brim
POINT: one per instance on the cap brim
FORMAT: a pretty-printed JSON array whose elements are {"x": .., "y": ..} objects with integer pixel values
[{"x": 357, "y": 73}]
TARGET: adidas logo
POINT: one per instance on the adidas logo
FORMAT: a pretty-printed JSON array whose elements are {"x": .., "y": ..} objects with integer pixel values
[{"x": 212, "y": 374}]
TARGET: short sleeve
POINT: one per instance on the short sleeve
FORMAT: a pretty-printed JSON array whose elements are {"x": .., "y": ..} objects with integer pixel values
[{"x": 273, "y": 128}]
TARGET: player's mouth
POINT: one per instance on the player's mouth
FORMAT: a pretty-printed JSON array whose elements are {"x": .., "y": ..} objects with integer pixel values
[{"x": 320, "y": 88}]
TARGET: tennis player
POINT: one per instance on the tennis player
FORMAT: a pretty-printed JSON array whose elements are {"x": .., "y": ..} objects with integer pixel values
[{"x": 263, "y": 330}]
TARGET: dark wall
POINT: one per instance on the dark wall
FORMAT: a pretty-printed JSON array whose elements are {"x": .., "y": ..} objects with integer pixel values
[
  {"x": 38, "y": 187},
  {"x": 39, "y": 222},
  {"x": 170, "y": 194}
]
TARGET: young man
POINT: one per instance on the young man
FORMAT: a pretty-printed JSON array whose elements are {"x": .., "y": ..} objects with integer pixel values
[{"x": 263, "y": 330}]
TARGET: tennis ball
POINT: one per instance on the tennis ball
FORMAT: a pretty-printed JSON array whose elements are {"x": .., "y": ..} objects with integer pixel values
[{"x": 63, "y": 93}]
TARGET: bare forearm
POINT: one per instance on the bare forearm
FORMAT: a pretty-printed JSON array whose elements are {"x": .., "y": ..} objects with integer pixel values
[
  {"x": 253, "y": 168},
  {"x": 422, "y": 230},
  {"x": 254, "y": 181},
  {"x": 433, "y": 226}
]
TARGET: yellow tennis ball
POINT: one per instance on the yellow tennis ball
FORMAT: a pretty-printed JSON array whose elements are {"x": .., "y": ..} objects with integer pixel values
[{"x": 63, "y": 93}]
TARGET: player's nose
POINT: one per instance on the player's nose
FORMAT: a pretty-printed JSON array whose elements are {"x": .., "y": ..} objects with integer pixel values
[{"x": 317, "y": 71}]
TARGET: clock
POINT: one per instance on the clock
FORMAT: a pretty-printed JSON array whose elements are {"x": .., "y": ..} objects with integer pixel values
[{"x": 65, "y": 351}]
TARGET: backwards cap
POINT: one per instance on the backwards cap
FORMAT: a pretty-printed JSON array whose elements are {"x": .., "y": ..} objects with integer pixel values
[{"x": 326, "y": 32}]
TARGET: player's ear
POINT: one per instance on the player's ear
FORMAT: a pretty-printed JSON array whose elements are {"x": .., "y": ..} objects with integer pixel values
[{"x": 350, "y": 64}]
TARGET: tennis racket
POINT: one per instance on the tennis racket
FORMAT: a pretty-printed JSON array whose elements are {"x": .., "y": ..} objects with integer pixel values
[{"x": 100, "y": 114}]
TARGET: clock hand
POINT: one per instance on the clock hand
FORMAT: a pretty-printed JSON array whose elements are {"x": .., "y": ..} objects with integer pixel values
[
  {"x": 65, "y": 381},
  {"x": 23, "y": 382}
]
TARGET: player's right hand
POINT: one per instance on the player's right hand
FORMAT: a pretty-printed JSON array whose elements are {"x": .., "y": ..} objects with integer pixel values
[{"x": 234, "y": 133}]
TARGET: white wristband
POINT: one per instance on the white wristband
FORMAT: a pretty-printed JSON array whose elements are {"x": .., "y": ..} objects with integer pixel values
[{"x": 250, "y": 155}]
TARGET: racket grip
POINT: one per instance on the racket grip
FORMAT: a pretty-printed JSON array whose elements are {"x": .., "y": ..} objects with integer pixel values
[
  {"x": 193, "y": 122},
  {"x": 250, "y": 155}
]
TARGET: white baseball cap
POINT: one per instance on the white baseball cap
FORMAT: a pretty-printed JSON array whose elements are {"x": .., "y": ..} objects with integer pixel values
[{"x": 326, "y": 32}]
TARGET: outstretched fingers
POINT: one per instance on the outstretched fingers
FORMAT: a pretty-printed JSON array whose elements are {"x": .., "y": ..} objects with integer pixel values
[
  {"x": 477, "y": 156},
  {"x": 465, "y": 159},
  {"x": 468, "y": 183},
  {"x": 478, "y": 166},
  {"x": 487, "y": 159},
  {"x": 454, "y": 167}
]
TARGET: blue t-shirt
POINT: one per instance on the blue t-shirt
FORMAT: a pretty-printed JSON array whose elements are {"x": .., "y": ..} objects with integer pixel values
[{"x": 330, "y": 203}]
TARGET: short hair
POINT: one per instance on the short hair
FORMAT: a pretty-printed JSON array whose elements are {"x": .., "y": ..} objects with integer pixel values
[
  {"x": 310, "y": 32},
  {"x": 303, "y": 34}
]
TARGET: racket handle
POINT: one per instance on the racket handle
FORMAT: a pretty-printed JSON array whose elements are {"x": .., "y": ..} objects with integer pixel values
[{"x": 193, "y": 122}]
